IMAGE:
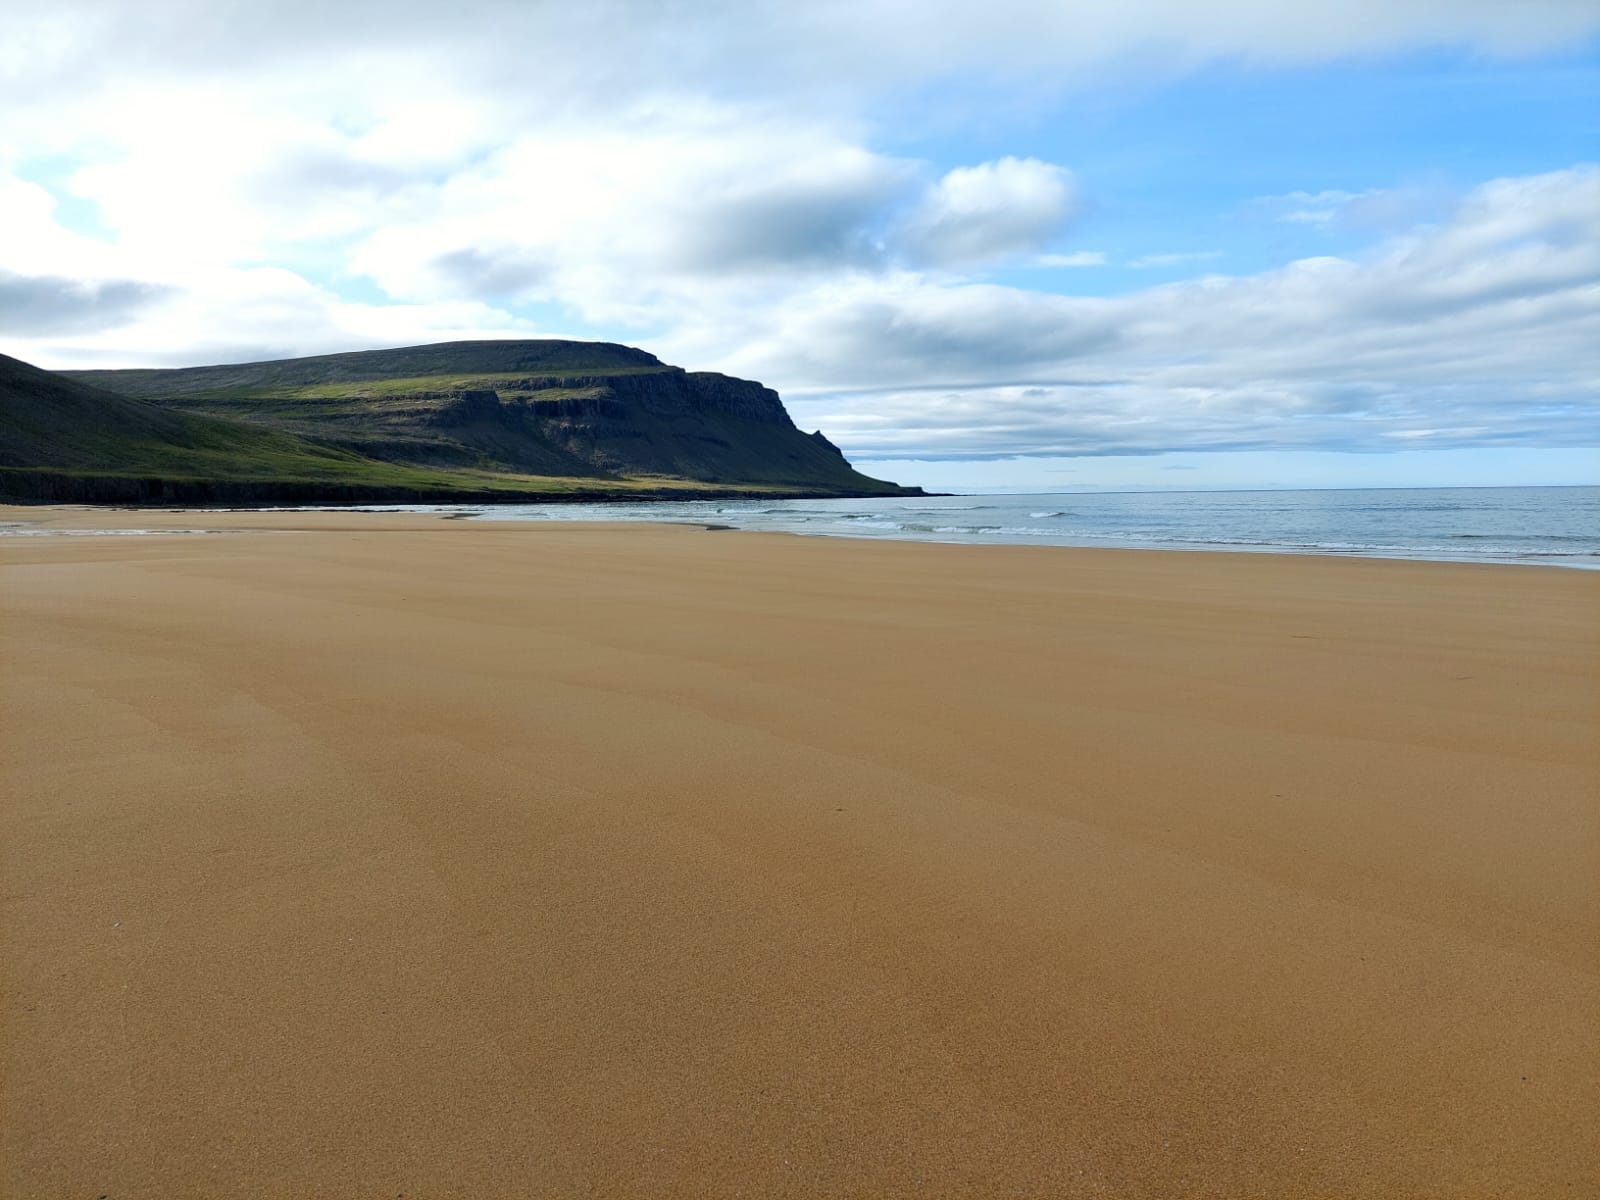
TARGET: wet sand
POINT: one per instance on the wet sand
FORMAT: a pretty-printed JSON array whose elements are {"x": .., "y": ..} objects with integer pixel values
[{"x": 355, "y": 855}]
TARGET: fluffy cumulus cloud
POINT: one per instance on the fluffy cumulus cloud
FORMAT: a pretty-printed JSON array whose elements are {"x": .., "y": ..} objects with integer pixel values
[
  {"x": 628, "y": 223},
  {"x": 989, "y": 211},
  {"x": 187, "y": 181}
]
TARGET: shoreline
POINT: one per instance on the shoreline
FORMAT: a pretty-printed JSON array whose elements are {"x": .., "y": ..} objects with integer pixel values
[
  {"x": 45, "y": 488},
  {"x": 395, "y": 854},
  {"x": 57, "y": 514}
]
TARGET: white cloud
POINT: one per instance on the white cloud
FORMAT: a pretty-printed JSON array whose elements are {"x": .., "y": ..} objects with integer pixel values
[
  {"x": 634, "y": 223},
  {"x": 582, "y": 53},
  {"x": 1180, "y": 259},
  {"x": 238, "y": 315},
  {"x": 1312, "y": 208},
  {"x": 1079, "y": 258},
  {"x": 974, "y": 214},
  {"x": 71, "y": 300},
  {"x": 1481, "y": 331},
  {"x": 1375, "y": 209}
]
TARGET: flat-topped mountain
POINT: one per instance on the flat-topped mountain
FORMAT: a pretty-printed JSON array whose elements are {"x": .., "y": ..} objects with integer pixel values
[{"x": 480, "y": 420}]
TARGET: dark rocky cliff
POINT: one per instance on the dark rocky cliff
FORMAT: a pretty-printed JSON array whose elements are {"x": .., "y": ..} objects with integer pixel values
[{"x": 669, "y": 393}]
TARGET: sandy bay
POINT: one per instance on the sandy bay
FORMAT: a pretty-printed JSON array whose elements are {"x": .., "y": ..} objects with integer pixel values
[{"x": 368, "y": 855}]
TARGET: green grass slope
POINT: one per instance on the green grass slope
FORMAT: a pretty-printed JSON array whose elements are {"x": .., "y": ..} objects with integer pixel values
[
  {"x": 546, "y": 409},
  {"x": 50, "y": 423},
  {"x": 65, "y": 440},
  {"x": 391, "y": 371}
]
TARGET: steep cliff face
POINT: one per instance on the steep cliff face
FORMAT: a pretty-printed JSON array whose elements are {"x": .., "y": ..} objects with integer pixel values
[
  {"x": 567, "y": 409},
  {"x": 670, "y": 392},
  {"x": 596, "y": 400},
  {"x": 674, "y": 423}
]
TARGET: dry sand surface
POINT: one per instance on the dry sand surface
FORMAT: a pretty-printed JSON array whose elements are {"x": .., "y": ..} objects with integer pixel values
[{"x": 365, "y": 856}]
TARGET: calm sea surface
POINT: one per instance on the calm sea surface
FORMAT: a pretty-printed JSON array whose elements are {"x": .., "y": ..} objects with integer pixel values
[{"x": 1553, "y": 525}]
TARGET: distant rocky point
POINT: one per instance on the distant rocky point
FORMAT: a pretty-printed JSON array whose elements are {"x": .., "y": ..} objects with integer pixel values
[{"x": 476, "y": 421}]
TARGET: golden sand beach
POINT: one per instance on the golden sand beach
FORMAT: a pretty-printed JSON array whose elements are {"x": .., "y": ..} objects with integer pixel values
[{"x": 357, "y": 855}]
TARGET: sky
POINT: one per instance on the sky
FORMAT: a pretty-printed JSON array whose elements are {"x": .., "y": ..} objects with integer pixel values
[{"x": 1005, "y": 245}]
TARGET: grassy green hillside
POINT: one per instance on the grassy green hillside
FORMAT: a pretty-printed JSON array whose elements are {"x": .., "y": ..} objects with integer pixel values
[
  {"x": 393, "y": 369},
  {"x": 49, "y": 422},
  {"x": 369, "y": 427},
  {"x": 546, "y": 409}
]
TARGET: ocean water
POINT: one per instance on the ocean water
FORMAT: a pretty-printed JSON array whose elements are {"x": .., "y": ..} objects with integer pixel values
[
  {"x": 1558, "y": 526},
  {"x": 1552, "y": 526}
]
